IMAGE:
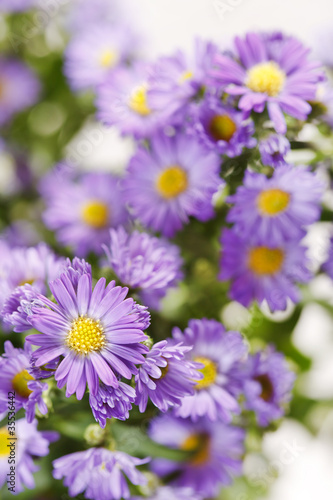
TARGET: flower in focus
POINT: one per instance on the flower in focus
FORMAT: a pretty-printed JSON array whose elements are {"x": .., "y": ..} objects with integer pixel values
[
  {"x": 262, "y": 271},
  {"x": 268, "y": 385},
  {"x": 220, "y": 355},
  {"x": 216, "y": 450},
  {"x": 165, "y": 377},
  {"x": 111, "y": 402},
  {"x": 273, "y": 150},
  {"x": 99, "y": 473},
  {"x": 142, "y": 262},
  {"x": 276, "y": 72},
  {"x": 82, "y": 209},
  {"x": 19, "y": 87},
  {"x": 175, "y": 179},
  {"x": 279, "y": 208}
]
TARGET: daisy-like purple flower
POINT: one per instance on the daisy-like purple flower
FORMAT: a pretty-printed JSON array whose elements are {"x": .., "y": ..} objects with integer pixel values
[
  {"x": 82, "y": 209},
  {"x": 175, "y": 179},
  {"x": 19, "y": 88},
  {"x": 273, "y": 71},
  {"x": 276, "y": 209},
  {"x": 216, "y": 452},
  {"x": 172, "y": 493},
  {"x": 96, "y": 52},
  {"x": 273, "y": 150},
  {"x": 96, "y": 332},
  {"x": 111, "y": 402},
  {"x": 260, "y": 270},
  {"x": 30, "y": 443},
  {"x": 148, "y": 264},
  {"x": 268, "y": 385},
  {"x": 220, "y": 356},
  {"x": 221, "y": 128},
  {"x": 15, "y": 376},
  {"x": 166, "y": 376},
  {"x": 99, "y": 473}
]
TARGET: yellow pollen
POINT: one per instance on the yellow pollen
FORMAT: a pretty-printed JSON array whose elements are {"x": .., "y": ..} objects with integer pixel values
[
  {"x": 4, "y": 435},
  {"x": 209, "y": 373},
  {"x": 27, "y": 282},
  {"x": 108, "y": 59},
  {"x": 200, "y": 445},
  {"x": 266, "y": 78},
  {"x": 138, "y": 101},
  {"x": 95, "y": 214},
  {"x": 86, "y": 335},
  {"x": 222, "y": 128},
  {"x": 20, "y": 383},
  {"x": 187, "y": 75},
  {"x": 272, "y": 202},
  {"x": 267, "y": 389},
  {"x": 265, "y": 261},
  {"x": 172, "y": 182}
]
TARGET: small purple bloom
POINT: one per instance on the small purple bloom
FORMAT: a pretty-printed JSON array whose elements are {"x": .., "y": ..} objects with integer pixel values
[
  {"x": 262, "y": 271},
  {"x": 216, "y": 449},
  {"x": 268, "y": 385},
  {"x": 175, "y": 179},
  {"x": 166, "y": 376},
  {"x": 276, "y": 209},
  {"x": 99, "y": 473},
  {"x": 145, "y": 263},
  {"x": 111, "y": 402},
  {"x": 273, "y": 150}
]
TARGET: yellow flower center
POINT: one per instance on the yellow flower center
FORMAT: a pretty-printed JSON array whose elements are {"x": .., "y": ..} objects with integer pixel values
[
  {"x": 266, "y": 78},
  {"x": 138, "y": 101},
  {"x": 187, "y": 75},
  {"x": 86, "y": 335},
  {"x": 209, "y": 373},
  {"x": 265, "y": 261},
  {"x": 172, "y": 182},
  {"x": 222, "y": 128},
  {"x": 95, "y": 214},
  {"x": 4, "y": 435},
  {"x": 200, "y": 445},
  {"x": 27, "y": 282},
  {"x": 272, "y": 202},
  {"x": 20, "y": 383},
  {"x": 108, "y": 58},
  {"x": 267, "y": 389}
]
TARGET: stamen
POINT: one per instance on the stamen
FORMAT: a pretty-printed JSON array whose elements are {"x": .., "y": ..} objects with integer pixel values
[
  {"x": 209, "y": 373},
  {"x": 265, "y": 261},
  {"x": 273, "y": 201},
  {"x": 172, "y": 182},
  {"x": 86, "y": 335},
  {"x": 266, "y": 78}
]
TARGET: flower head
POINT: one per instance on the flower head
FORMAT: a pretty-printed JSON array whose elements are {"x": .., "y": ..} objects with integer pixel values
[
  {"x": 273, "y": 150},
  {"x": 111, "y": 402}
]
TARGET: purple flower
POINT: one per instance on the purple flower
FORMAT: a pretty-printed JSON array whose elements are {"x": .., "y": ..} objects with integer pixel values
[
  {"x": 98, "y": 333},
  {"x": 171, "y": 493},
  {"x": 30, "y": 443},
  {"x": 175, "y": 179},
  {"x": 271, "y": 70},
  {"x": 220, "y": 355},
  {"x": 276, "y": 209},
  {"x": 15, "y": 376},
  {"x": 99, "y": 472},
  {"x": 95, "y": 53},
  {"x": 273, "y": 150},
  {"x": 268, "y": 385},
  {"x": 216, "y": 452},
  {"x": 16, "y": 5},
  {"x": 145, "y": 263},
  {"x": 221, "y": 128},
  {"x": 262, "y": 271},
  {"x": 111, "y": 402},
  {"x": 328, "y": 264},
  {"x": 82, "y": 208},
  {"x": 19, "y": 88},
  {"x": 166, "y": 376}
]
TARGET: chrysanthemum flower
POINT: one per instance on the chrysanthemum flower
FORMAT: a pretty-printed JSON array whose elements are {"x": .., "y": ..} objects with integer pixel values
[
  {"x": 142, "y": 262},
  {"x": 172, "y": 493},
  {"x": 267, "y": 71},
  {"x": 94, "y": 53},
  {"x": 216, "y": 452},
  {"x": 83, "y": 208},
  {"x": 221, "y": 128},
  {"x": 166, "y": 376},
  {"x": 99, "y": 473},
  {"x": 97, "y": 333},
  {"x": 175, "y": 179},
  {"x": 273, "y": 150},
  {"x": 220, "y": 355},
  {"x": 110, "y": 402},
  {"x": 268, "y": 385},
  {"x": 262, "y": 271},
  {"x": 19, "y": 88},
  {"x": 15, "y": 376},
  {"x": 30, "y": 443},
  {"x": 279, "y": 208}
]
